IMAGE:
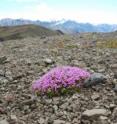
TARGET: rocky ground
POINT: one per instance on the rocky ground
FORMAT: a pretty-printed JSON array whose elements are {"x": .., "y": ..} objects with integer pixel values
[{"x": 23, "y": 61}]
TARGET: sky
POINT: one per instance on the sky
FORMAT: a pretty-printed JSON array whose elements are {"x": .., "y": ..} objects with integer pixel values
[{"x": 91, "y": 11}]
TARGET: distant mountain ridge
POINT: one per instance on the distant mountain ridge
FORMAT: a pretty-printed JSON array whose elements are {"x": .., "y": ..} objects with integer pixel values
[
  {"x": 66, "y": 26},
  {"x": 23, "y": 31}
]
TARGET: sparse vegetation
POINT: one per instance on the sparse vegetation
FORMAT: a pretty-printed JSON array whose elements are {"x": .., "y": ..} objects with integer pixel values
[{"x": 19, "y": 32}]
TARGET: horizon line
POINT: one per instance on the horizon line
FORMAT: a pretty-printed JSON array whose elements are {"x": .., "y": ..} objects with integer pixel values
[{"x": 55, "y": 20}]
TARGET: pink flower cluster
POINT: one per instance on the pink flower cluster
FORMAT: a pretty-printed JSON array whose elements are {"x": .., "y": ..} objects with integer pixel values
[{"x": 60, "y": 77}]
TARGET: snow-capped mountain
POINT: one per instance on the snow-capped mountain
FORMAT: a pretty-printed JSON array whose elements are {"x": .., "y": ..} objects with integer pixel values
[{"x": 66, "y": 26}]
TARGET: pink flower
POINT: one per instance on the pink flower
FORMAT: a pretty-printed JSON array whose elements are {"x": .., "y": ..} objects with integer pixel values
[{"x": 60, "y": 77}]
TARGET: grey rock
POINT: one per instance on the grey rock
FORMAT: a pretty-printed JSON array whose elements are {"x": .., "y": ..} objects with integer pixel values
[
  {"x": 14, "y": 118},
  {"x": 103, "y": 118},
  {"x": 101, "y": 70},
  {"x": 48, "y": 101},
  {"x": 3, "y": 80},
  {"x": 64, "y": 106},
  {"x": 59, "y": 122},
  {"x": 112, "y": 106},
  {"x": 1, "y": 39},
  {"x": 2, "y": 73},
  {"x": 95, "y": 113},
  {"x": 95, "y": 96},
  {"x": 75, "y": 96},
  {"x": 48, "y": 61},
  {"x": 41, "y": 121},
  {"x": 3, "y": 59},
  {"x": 113, "y": 66},
  {"x": 95, "y": 79},
  {"x": 56, "y": 100},
  {"x": 55, "y": 107},
  {"x": 8, "y": 75},
  {"x": 115, "y": 74},
  {"x": 4, "y": 122},
  {"x": 114, "y": 114},
  {"x": 114, "y": 81},
  {"x": 115, "y": 88}
]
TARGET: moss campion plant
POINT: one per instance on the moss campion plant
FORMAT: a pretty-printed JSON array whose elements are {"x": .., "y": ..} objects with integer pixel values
[{"x": 60, "y": 79}]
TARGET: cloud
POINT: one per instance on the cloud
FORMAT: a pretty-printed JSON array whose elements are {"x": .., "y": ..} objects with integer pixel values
[{"x": 46, "y": 12}]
